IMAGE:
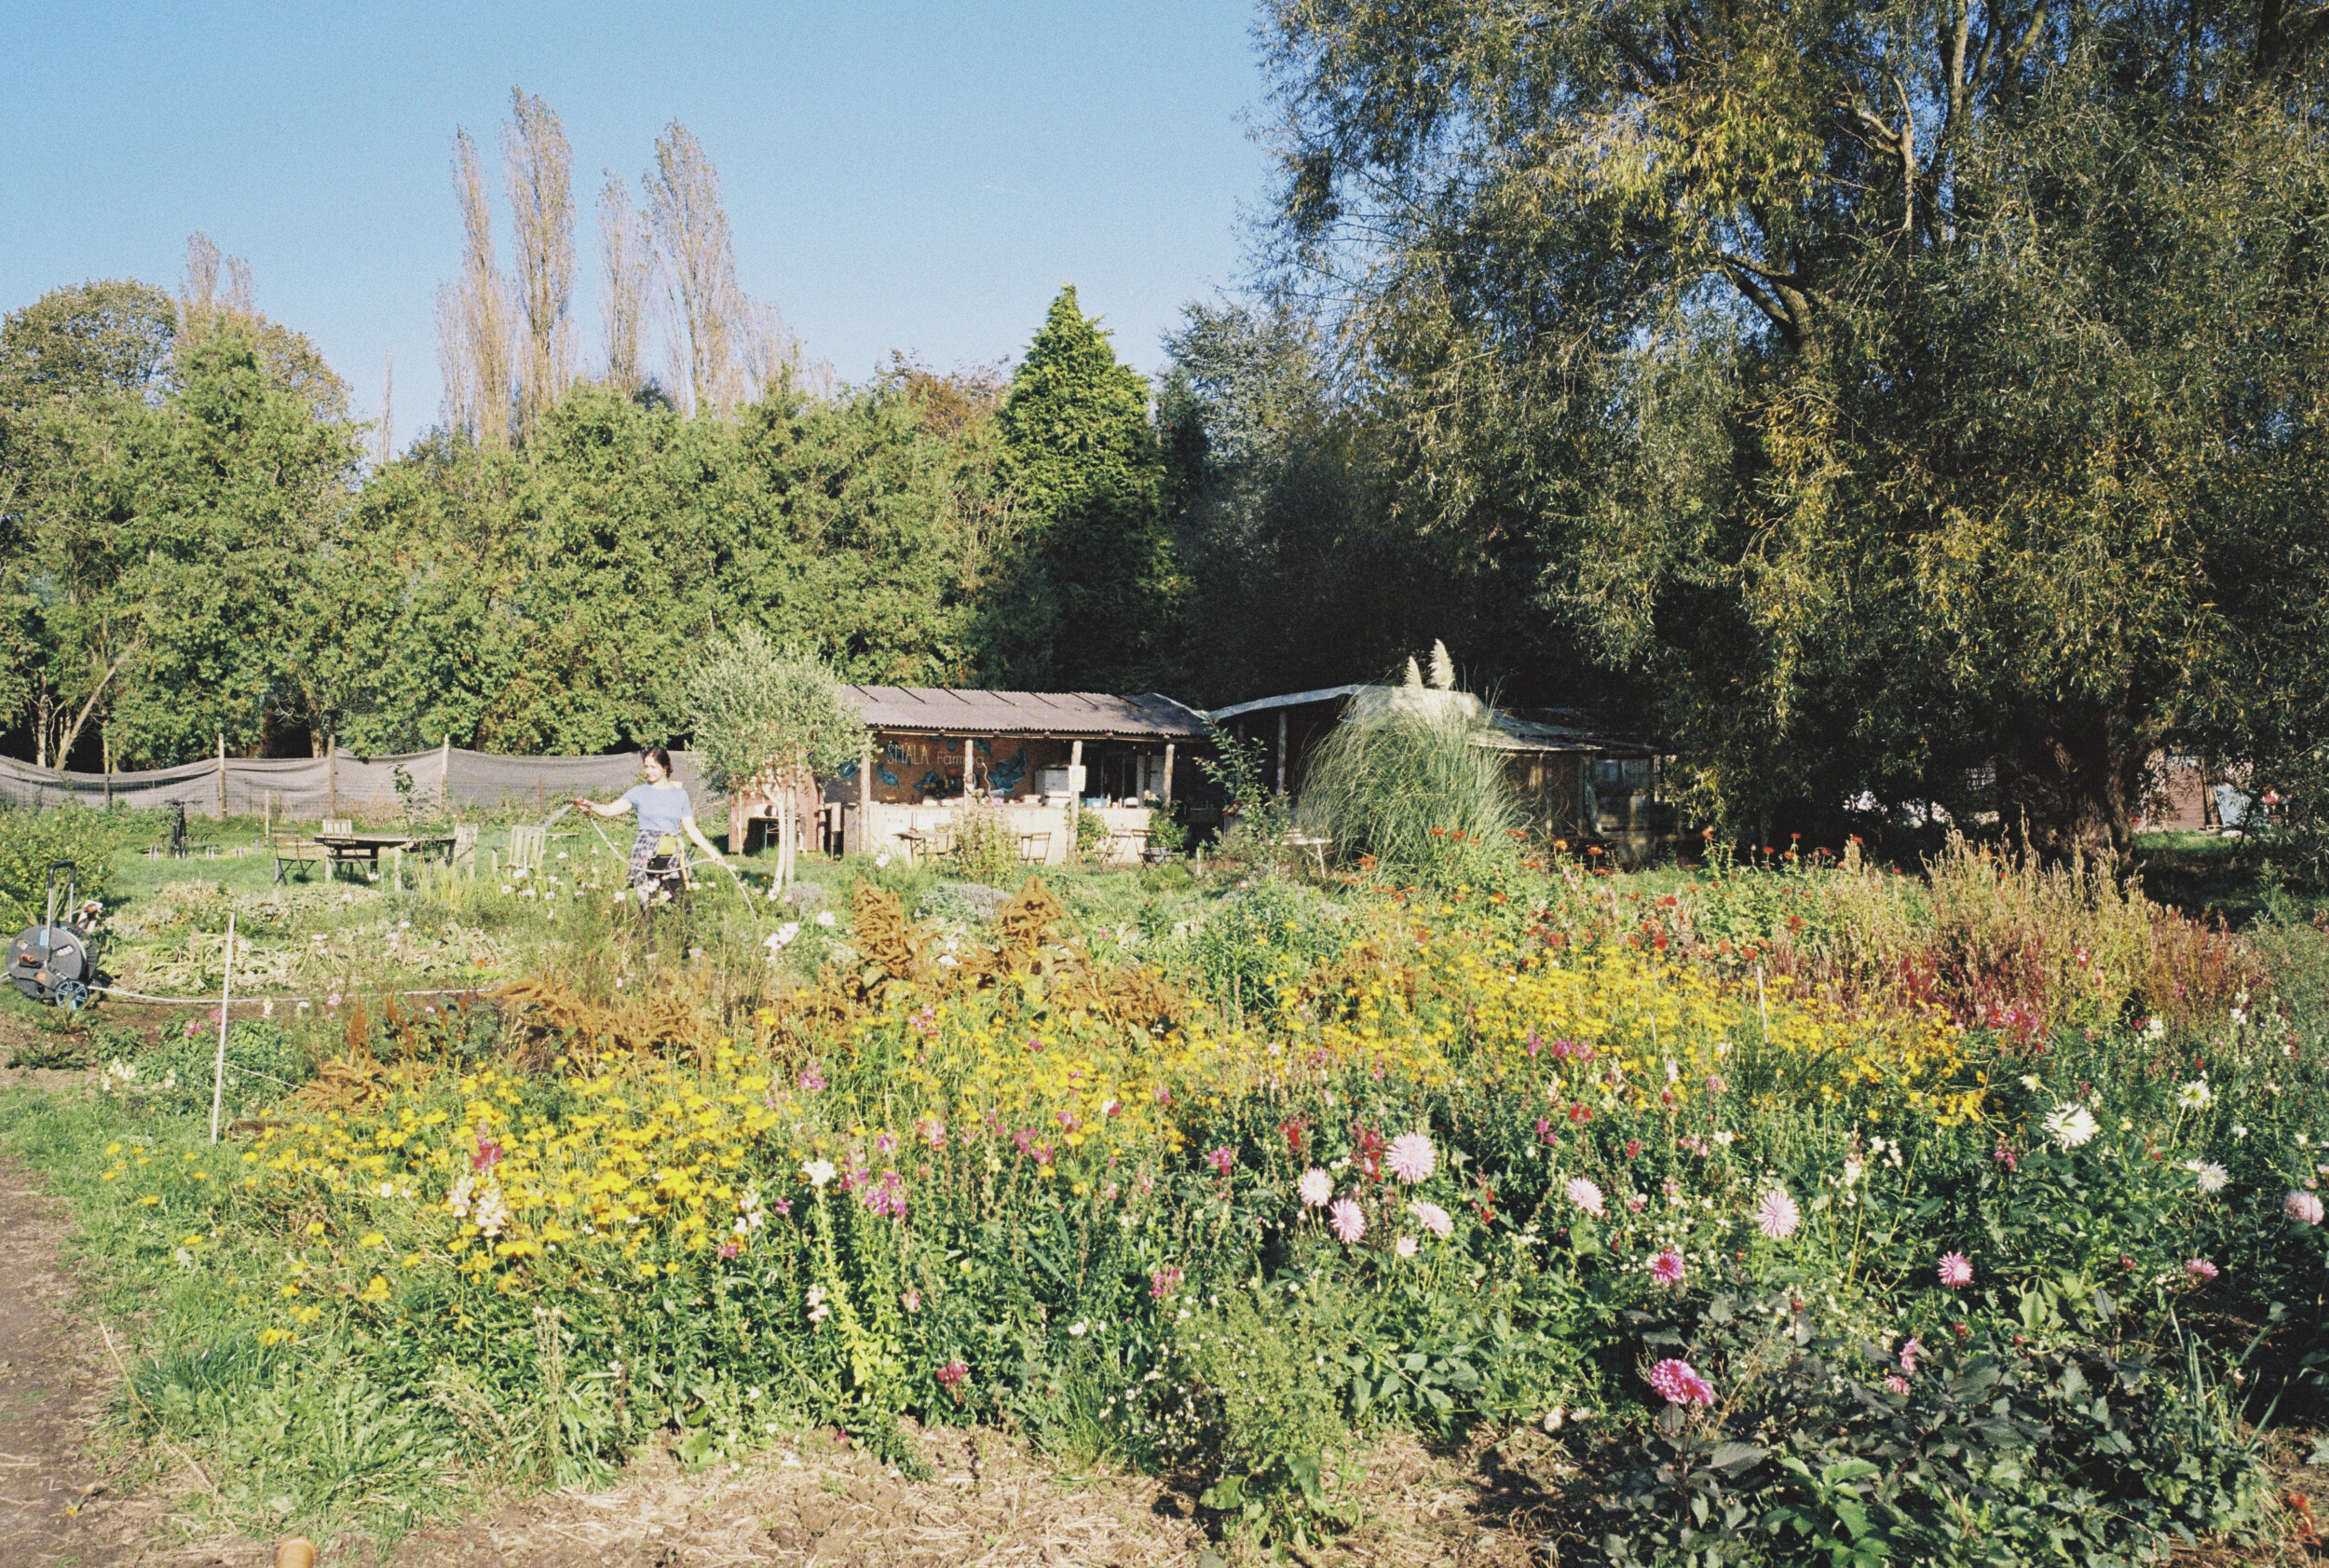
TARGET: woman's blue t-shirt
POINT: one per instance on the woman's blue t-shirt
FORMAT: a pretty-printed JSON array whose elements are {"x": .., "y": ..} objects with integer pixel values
[{"x": 661, "y": 808}]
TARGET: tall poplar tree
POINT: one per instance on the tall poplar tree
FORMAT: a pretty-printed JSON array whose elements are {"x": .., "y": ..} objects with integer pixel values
[{"x": 1097, "y": 595}]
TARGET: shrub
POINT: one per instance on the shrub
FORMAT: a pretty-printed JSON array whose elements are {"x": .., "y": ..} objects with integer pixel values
[
  {"x": 986, "y": 847},
  {"x": 31, "y": 841}
]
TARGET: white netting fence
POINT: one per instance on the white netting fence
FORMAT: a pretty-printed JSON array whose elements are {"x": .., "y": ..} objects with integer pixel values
[{"x": 447, "y": 780}]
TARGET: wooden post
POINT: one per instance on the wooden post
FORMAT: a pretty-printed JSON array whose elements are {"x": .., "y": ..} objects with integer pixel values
[
  {"x": 221, "y": 776},
  {"x": 444, "y": 775},
  {"x": 970, "y": 768},
  {"x": 1280, "y": 751},
  {"x": 1168, "y": 774},
  {"x": 227, "y": 994},
  {"x": 105, "y": 738},
  {"x": 332, "y": 776},
  {"x": 1075, "y": 798},
  {"x": 267, "y": 816},
  {"x": 864, "y": 795}
]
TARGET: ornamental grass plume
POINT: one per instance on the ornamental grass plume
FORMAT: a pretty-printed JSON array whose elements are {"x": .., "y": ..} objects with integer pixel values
[
  {"x": 1776, "y": 1216},
  {"x": 1315, "y": 1188},
  {"x": 1680, "y": 1382},
  {"x": 1410, "y": 1157},
  {"x": 1956, "y": 1270},
  {"x": 1432, "y": 1217},
  {"x": 1586, "y": 1196},
  {"x": 1345, "y": 1221}
]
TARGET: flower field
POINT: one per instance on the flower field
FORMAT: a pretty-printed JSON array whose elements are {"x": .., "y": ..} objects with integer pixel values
[{"x": 1787, "y": 1227}]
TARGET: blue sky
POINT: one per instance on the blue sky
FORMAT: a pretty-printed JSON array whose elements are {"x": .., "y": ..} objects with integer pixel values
[{"x": 916, "y": 176}]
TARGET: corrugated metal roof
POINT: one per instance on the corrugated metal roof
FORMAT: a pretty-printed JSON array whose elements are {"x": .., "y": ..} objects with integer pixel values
[
  {"x": 947, "y": 710},
  {"x": 1291, "y": 699},
  {"x": 1506, "y": 731}
]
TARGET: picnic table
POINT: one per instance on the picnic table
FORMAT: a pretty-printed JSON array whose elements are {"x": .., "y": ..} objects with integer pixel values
[{"x": 349, "y": 849}]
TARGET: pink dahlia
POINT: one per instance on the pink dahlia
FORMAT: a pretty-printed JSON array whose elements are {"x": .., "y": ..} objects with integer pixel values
[
  {"x": 2302, "y": 1207},
  {"x": 1666, "y": 1268},
  {"x": 1346, "y": 1222},
  {"x": 1956, "y": 1270},
  {"x": 1410, "y": 1157},
  {"x": 1776, "y": 1216},
  {"x": 1895, "y": 1384},
  {"x": 1432, "y": 1217},
  {"x": 1315, "y": 1188},
  {"x": 2199, "y": 1268},
  {"x": 1585, "y": 1196},
  {"x": 1680, "y": 1382}
]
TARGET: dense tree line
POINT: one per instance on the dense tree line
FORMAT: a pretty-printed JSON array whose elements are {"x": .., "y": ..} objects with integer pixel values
[{"x": 1868, "y": 396}]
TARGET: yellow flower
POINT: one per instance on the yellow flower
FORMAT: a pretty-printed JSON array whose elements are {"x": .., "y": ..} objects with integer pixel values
[{"x": 373, "y": 1238}]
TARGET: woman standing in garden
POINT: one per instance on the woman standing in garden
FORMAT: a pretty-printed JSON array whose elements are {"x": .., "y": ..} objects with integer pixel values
[{"x": 664, "y": 813}]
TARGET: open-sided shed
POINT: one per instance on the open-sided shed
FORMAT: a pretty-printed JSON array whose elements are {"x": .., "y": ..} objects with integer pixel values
[{"x": 1033, "y": 755}]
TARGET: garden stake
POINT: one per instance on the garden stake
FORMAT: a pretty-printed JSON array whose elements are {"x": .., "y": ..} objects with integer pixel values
[{"x": 227, "y": 994}]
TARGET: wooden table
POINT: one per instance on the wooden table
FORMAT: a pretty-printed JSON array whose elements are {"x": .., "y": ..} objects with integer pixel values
[{"x": 349, "y": 849}]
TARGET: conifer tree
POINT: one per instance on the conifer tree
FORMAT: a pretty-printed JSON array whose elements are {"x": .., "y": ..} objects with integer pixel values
[{"x": 1098, "y": 589}]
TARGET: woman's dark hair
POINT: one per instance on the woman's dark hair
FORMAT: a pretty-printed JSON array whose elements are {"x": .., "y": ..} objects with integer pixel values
[{"x": 658, "y": 756}]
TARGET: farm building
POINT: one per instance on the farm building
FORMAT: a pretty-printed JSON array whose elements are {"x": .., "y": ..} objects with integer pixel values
[
  {"x": 1573, "y": 781},
  {"x": 1032, "y": 756}
]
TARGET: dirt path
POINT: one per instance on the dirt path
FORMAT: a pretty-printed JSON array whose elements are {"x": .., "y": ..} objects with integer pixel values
[{"x": 57, "y": 1503}]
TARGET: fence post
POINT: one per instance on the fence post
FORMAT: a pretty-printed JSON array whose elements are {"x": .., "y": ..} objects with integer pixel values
[
  {"x": 332, "y": 776},
  {"x": 221, "y": 776},
  {"x": 444, "y": 775},
  {"x": 1169, "y": 775},
  {"x": 865, "y": 796}
]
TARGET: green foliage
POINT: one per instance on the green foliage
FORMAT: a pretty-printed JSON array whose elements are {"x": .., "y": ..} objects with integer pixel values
[
  {"x": 985, "y": 846},
  {"x": 263, "y": 1063},
  {"x": 1415, "y": 791},
  {"x": 1255, "y": 939},
  {"x": 1096, "y": 595},
  {"x": 1877, "y": 338},
  {"x": 87, "y": 339},
  {"x": 1821, "y": 1449},
  {"x": 31, "y": 841},
  {"x": 753, "y": 706},
  {"x": 1265, "y": 1417}
]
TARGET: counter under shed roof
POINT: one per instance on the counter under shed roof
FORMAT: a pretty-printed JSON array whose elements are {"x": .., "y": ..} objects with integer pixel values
[{"x": 948, "y": 710}]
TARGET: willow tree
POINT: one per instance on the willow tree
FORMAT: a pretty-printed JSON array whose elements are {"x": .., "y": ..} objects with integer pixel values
[
  {"x": 1910, "y": 385},
  {"x": 770, "y": 717}
]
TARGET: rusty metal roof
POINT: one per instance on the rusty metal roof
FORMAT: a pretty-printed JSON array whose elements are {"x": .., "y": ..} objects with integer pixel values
[{"x": 947, "y": 710}]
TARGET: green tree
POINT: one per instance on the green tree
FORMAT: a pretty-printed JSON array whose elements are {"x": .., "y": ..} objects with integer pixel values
[
  {"x": 761, "y": 711},
  {"x": 89, "y": 339},
  {"x": 1096, "y": 596},
  {"x": 1906, "y": 387}
]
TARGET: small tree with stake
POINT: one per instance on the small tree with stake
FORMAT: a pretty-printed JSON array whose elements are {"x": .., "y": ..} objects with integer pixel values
[{"x": 769, "y": 716}]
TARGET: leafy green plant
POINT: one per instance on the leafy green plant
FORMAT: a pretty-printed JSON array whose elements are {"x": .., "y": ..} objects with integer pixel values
[
  {"x": 985, "y": 846},
  {"x": 263, "y": 1063},
  {"x": 31, "y": 841}
]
